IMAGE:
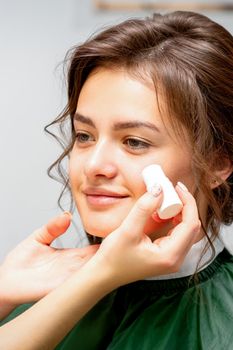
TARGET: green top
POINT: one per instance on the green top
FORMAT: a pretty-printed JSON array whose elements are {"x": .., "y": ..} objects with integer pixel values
[{"x": 175, "y": 314}]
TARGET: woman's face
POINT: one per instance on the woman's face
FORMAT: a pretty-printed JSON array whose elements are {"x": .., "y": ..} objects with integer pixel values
[{"x": 119, "y": 132}]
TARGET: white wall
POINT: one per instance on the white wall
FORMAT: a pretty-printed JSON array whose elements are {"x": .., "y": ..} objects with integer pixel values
[{"x": 34, "y": 37}]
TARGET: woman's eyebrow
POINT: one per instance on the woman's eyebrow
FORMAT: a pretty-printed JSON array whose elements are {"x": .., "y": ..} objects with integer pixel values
[
  {"x": 85, "y": 120},
  {"x": 135, "y": 124},
  {"x": 118, "y": 125}
]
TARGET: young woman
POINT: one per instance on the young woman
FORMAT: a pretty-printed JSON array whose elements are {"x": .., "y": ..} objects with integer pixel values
[{"x": 155, "y": 90}]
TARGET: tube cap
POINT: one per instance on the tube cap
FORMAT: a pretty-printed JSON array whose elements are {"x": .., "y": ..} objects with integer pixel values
[{"x": 171, "y": 204}]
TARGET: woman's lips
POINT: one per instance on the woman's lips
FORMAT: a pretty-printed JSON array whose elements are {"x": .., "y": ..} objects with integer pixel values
[
  {"x": 103, "y": 200},
  {"x": 103, "y": 196}
]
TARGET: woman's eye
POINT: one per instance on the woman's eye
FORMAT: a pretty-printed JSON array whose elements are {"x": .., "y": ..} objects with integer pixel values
[
  {"x": 136, "y": 144},
  {"x": 83, "y": 137}
]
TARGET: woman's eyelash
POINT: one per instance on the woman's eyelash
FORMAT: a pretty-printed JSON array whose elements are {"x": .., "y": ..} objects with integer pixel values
[
  {"x": 83, "y": 137},
  {"x": 131, "y": 142},
  {"x": 135, "y": 143}
]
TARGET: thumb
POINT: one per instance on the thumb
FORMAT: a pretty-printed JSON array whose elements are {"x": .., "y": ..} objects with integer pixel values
[
  {"x": 142, "y": 211},
  {"x": 53, "y": 229}
]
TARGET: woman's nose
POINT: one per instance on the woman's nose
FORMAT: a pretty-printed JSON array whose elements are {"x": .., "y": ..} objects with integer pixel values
[{"x": 101, "y": 162}]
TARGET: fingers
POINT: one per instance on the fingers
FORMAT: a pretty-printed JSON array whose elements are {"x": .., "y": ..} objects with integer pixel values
[
  {"x": 187, "y": 231},
  {"x": 53, "y": 229},
  {"x": 89, "y": 250},
  {"x": 177, "y": 219},
  {"x": 141, "y": 211}
]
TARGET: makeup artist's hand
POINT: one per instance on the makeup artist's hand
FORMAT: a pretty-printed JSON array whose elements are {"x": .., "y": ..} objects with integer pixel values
[
  {"x": 128, "y": 254},
  {"x": 34, "y": 268}
]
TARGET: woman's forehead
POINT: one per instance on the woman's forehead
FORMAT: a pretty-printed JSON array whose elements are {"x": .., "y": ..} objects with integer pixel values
[
  {"x": 115, "y": 92},
  {"x": 115, "y": 95}
]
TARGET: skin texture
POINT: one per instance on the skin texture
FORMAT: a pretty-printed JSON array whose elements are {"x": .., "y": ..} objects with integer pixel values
[{"x": 107, "y": 156}]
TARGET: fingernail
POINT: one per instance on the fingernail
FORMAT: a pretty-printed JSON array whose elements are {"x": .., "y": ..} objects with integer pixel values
[
  {"x": 156, "y": 190},
  {"x": 182, "y": 186}
]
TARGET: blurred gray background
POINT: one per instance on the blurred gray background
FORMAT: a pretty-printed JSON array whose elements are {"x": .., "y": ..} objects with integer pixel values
[{"x": 34, "y": 38}]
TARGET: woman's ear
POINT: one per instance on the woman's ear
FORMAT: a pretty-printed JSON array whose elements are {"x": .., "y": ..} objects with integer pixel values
[{"x": 221, "y": 172}]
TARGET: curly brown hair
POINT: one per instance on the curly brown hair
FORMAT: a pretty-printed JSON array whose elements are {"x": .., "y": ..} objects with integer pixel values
[{"x": 190, "y": 58}]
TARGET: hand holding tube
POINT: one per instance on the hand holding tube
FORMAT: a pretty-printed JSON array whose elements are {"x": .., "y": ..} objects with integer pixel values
[{"x": 130, "y": 255}]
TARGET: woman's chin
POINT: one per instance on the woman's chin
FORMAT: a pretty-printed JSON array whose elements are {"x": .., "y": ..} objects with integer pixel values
[
  {"x": 97, "y": 233},
  {"x": 152, "y": 228}
]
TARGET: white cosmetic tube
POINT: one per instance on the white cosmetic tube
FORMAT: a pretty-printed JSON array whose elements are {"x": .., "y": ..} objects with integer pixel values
[{"x": 171, "y": 204}]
